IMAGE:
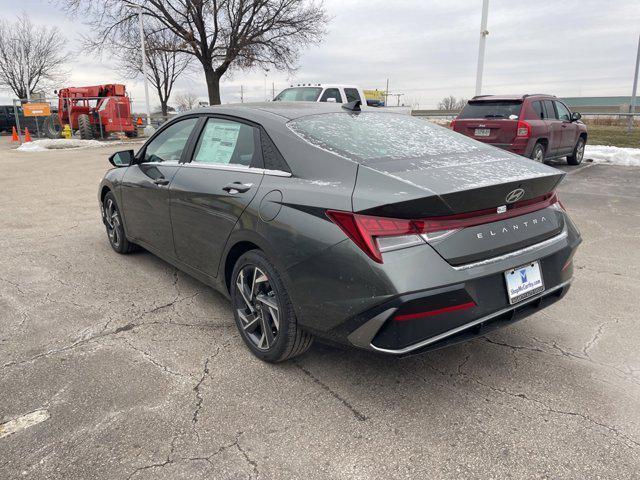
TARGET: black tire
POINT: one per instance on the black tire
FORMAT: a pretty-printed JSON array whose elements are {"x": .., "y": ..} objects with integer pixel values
[
  {"x": 85, "y": 128},
  {"x": 115, "y": 228},
  {"x": 578, "y": 153},
  {"x": 538, "y": 152},
  {"x": 288, "y": 339},
  {"x": 52, "y": 127},
  {"x": 132, "y": 134}
]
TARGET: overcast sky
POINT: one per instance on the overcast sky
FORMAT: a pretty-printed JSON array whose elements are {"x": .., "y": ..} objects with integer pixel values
[{"x": 427, "y": 48}]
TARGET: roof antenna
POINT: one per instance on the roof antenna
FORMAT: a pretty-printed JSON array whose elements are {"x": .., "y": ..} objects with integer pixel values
[{"x": 353, "y": 106}]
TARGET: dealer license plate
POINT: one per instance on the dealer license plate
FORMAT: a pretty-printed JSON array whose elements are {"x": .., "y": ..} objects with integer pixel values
[
  {"x": 482, "y": 132},
  {"x": 524, "y": 282}
]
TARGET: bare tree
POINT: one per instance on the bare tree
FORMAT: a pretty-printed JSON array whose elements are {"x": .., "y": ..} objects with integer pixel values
[
  {"x": 164, "y": 63},
  {"x": 452, "y": 103},
  {"x": 186, "y": 101},
  {"x": 31, "y": 57},
  {"x": 220, "y": 34}
]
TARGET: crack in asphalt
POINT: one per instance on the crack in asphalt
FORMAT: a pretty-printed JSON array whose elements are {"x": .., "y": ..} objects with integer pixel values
[
  {"x": 196, "y": 389},
  {"x": 356, "y": 413},
  {"x": 170, "y": 461},
  {"x": 594, "y": 339},
  {"x": 523, "y": 396},
  {"x": 547, "y": 407},
  {"x": 564, "y": 352},
  {"x": 152, "y": 360}
]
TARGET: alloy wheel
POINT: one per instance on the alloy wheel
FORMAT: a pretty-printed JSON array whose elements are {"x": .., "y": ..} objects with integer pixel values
[
  {"x": 112, "y": 218},
  {"x": 257, "y": 307},
  {"x": 580, "y": 151},
  {"x": 539, "y": 155}
]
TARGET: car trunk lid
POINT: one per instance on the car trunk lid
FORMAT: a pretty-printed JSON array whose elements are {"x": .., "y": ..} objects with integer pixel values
[{"x": 490, "y": 186}]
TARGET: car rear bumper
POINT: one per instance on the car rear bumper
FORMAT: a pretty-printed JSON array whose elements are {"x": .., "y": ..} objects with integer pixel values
[
  {"x": 367, "y": 335},
  {"x": 360, "y": 307},
  {"x": 520, "y": 146}
]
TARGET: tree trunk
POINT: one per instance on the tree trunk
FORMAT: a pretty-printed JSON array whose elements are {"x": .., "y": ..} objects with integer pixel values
[
  {"x": 163, "y": 107},
  {"x": 213, "y": 84}
]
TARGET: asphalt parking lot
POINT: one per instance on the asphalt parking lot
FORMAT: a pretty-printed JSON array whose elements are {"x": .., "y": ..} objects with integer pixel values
[{"x": 137, "y": 370}]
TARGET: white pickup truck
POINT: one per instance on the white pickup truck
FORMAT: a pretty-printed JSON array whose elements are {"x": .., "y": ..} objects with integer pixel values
[{"x": 321, "y": 92}]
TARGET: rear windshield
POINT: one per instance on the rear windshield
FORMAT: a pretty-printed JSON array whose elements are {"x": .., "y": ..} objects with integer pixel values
[
  {"x": 299, "y": 94},
  {"x": 492, "y": 109},
  {"x": 368, "y": 137}
]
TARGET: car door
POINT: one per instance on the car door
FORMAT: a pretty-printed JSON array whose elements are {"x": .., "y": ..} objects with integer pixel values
[
  {"x": 569, "y": 128},
  {"x": 554, "y": 127},
  {"x": 145, "y": 186},
  {"x": 209, "y": 193}
]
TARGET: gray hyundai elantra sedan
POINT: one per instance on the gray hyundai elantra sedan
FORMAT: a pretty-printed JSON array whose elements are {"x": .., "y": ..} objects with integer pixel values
[{"x": 354, "y": 226}]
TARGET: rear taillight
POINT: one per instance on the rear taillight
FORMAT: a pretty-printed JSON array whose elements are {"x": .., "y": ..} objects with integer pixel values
[
  {"x": 376, "y": 235},
  {"x": 452, "y": 124},
  {"x": 524, "y": 129}
]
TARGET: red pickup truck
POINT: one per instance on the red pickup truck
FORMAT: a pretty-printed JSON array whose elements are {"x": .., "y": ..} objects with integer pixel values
[{"x": 540, "y": 127}]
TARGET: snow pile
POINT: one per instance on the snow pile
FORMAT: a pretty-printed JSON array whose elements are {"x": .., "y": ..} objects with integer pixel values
[
  {"x": 61, "y": 143},
  {"x": 612, "y": 155}
]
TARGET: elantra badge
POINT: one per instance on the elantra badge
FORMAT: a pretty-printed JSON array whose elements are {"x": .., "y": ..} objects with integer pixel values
[{"x": 514, "y": 195}]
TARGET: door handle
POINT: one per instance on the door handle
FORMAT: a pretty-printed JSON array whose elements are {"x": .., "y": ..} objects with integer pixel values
[
  {"x": 237, "y": 187},
  {"x": 161, "y": 181}
]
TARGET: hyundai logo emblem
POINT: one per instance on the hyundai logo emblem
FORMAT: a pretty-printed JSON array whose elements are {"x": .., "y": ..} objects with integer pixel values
[{"x": 515, "y": 195}]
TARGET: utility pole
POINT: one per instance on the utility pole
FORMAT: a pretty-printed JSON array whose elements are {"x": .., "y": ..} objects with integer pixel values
[
  {"x": 273, "y": 90},
  {"x": 148, "y": 130},
  {"x": 386, "y": 95},
  {"x": 483, "y": 39},
  {"x": 25, "y": 72},
  {"x": 632, "y": 106},
  {"x": 241, "y": 94},
  {"x": 265, "y": 85}
]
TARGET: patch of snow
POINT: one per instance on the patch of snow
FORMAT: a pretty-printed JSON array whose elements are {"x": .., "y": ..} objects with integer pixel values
[
  {"x": 322, "y": 183},
  {"x": 63, "y": 143},
  {"x": 613, "y": 155}
]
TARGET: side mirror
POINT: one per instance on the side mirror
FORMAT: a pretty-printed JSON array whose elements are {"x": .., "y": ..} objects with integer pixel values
[
  {"x": 575, "y": 116},
  {"x": 122, "y": 159},
  {"x": 331, "y": 100}
]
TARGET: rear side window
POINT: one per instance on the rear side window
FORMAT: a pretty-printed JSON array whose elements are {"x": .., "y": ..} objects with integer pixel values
[
  {"x": 352, "y": 94},
  {"x": 333, "y": 93},
  {"x": 369, "y": 137},
  {"x": 273, "y": 159},
  {"x": 168, "y": 145},
  {"x": 224, "y": 142},
  {"x": 492, "y": 109},
  {"x": 550, "y": 110},
  {"x": 537, "y": 107},
  {"x": 299, "y": 94}
]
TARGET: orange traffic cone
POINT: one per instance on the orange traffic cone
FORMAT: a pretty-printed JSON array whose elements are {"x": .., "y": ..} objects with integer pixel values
[
  {"x": 14, "y": 135},
  {"x": 139, "y": 121},
  {"x": 27, "y": 137}
]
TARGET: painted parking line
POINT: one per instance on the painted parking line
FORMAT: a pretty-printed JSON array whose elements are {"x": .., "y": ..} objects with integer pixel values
[{"x": 22, "y": 422}]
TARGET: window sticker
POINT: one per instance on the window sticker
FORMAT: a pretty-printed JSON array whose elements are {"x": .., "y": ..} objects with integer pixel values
[{"x": 218, "y": 142}]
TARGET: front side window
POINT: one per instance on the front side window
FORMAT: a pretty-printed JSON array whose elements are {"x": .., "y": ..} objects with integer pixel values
[
  {"x": 491, "y": 109},
  {"x": 299, "y": 94},
  {"x": 381, "y": 137},
  {"x": 352, "y": 94},
  {"x": 168, "y": 145},
  {"x": 333, "y": 93},
  {"x": 224, "y": 142},
  {"x": 550, "y": 110},
  {"x": 563, "y": 112}
]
